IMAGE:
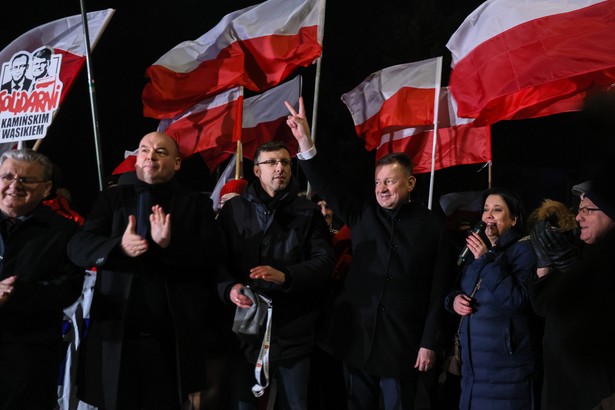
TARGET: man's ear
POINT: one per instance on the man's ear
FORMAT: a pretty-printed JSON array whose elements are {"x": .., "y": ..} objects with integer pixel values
[
  {"x": 48, "y": 189},
  {"x": 178, "y": 163},
  {"x": 257, "y": 171},
  {"x": 411, "y": 183}
]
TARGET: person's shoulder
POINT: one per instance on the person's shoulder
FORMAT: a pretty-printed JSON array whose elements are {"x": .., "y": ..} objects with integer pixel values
[{"x": 52, "y": 218}]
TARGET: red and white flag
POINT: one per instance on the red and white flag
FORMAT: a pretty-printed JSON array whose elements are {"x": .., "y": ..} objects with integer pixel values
[
  {"x": 256, "y": 47},
  {"x": 210, "y": 129},
  {"x": 459, "y": 142},
  {"x": 211, "y": 123},
  {"x": 39, "y": 68},
  {"x": 264, "y": 117},
  {"x": 525, "y": 59},
  {"x": 395, "y": 98}
]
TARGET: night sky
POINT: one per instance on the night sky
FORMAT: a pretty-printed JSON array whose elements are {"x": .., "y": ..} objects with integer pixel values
[{"x": 537, "y": 158}]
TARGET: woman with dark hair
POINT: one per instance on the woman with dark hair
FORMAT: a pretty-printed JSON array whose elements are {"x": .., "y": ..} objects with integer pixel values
[{"x": 497, "y": 350}]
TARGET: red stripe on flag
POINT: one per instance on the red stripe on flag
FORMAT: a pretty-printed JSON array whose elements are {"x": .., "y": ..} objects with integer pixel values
[
  {"x": 458, "y": 145},
  {"x": 539, "y": 67},
  {"x": 407, "y": 107}
]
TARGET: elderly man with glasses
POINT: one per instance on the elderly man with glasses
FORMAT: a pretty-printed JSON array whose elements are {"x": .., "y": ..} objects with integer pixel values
[
  {"x": 574, "y": 292},
  {"x": 37, "y": 281}
]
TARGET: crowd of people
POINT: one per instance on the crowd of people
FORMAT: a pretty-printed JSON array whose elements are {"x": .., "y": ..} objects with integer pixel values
[{"x": 270, "y": 304}]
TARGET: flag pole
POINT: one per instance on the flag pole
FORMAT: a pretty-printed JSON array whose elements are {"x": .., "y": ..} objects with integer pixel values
[
  {"x": 238, "y": 159},
  {"x": 92, "y": 91},
  {"x": 321, "y": 32},
  {"x": 436, "y": 106}
]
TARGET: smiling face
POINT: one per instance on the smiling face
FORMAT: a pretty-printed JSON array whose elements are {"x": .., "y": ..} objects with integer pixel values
[
  {"x": 157, "y": 159},
  {"x": 273, "y": 170},
  {"x": 19, "y": 198},
  {"x": 393, "y": 185},
  {"x": 497, "y": 216},
  {"x": 595, "y": 225}
]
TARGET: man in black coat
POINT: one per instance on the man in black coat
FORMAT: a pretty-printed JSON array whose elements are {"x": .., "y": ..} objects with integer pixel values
[
  {"x": 574, "y": 292},
  {"x": 154, "y": 245},
  {"x": 279, "y": 245},
  {"x": 386, "y": 322},
  {"x": 37, "y": 281}
]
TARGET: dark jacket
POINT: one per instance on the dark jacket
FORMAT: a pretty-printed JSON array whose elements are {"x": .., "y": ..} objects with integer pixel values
[
  {"x": 579, "y": 336},
  {"x": 290, "y": 235},
  {"x": 497, "y": 345},
  {"x": 392, "y": 301},
  {"x": 47, "y": 282},
  {"x": 177, "y": 283}
]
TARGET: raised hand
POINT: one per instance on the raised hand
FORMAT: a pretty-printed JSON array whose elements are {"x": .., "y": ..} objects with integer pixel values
[
  {"x": 132, "y": 243},
  {"x": 299, "y": 126},
  {"x": 160, "y": 226},
  {"x": 562, "y": 253}
]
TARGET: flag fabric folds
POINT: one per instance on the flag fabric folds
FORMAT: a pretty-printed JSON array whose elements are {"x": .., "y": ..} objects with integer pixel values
[
  {"x": 459, "y": 142},
  {"x": 264, "y": 117},
  {"x": 514, "y": 60},
  {"x": 213, "y": 127},
  {"x": 64, "y": 36},
  {"x": 394, "y": 98},
  {"x": 256, "y": 47},
  {"x": 211, "y": 123}
]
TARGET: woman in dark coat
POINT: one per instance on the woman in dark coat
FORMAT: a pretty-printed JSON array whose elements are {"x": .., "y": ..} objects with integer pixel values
[{"x": 497, "y": 350}]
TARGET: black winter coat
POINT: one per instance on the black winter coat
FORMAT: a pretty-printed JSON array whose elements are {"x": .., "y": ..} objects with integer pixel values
[
  {"x": 47, "y": 282},
  {"x": 392, "y": 302},
  {"x": 291, "y": 237},
  {"x": 185, "y": 273},
  {"x": 579, "y": 336}
]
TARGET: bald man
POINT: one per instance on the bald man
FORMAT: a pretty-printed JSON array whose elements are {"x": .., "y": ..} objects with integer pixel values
[{"x": 154, "y": 247}]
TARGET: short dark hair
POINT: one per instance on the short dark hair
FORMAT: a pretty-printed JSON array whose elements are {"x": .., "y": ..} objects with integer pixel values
[
  {"x": 28, "y": 155},
  {"x": 269, "y": 146},
  {"x": 514, "y": 204},
  {"x": 44, "y": 52},
  {"x": 396, "y": 158},
  {"x": 18, "y": 55}
]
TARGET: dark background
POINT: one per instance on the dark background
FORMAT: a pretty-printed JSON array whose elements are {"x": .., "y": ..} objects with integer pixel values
[{"x": 537, "y": 158}]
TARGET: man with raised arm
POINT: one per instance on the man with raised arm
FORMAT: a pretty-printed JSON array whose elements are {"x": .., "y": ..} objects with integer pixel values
[{"x": 385, "y": 324}]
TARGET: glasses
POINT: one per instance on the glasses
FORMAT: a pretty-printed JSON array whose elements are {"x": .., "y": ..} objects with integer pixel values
[
  {"x": 274, "y": 162},
  {"x": 586, "y": 210},
  {"x": 8, "y": 179}
]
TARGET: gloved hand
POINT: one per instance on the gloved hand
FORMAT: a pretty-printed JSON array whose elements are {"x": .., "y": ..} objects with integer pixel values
[
  {"x": 542, "y": 258},
  {"x": 558, "y": 248}
]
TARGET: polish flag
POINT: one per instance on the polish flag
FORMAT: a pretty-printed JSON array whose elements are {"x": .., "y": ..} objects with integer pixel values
[
  {"x": 459, "y": 142},
  {"x": 210, "y": 127},
  {"x": 128, "y": 165},
  {"x": 525, "y": 59},
  {"x": 256, "y": 47},
  {"x": 65, "y": 37},
  {"x": 395, "y": 98},
  {"x": 211, "y": 123},
  {"x": 264, "y": 117}
]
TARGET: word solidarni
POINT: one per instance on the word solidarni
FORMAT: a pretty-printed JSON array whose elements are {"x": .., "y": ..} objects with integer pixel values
[
  {"x": 26, "y": 115},
  {"x": 45, "y": 97}
]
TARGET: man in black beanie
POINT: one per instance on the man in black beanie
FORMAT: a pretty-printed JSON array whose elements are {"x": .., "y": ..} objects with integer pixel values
[{"x": 574, "y": 293}]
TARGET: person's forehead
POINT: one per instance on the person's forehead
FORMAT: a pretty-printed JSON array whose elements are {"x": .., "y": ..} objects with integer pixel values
[
  {"x": 156, "y": 141},
  {"x": 281, "y": 153},
  {"x": 20, "y": 59},
  {"x": 389, "y": 170},
  {"x": 12, "y": 165}
]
